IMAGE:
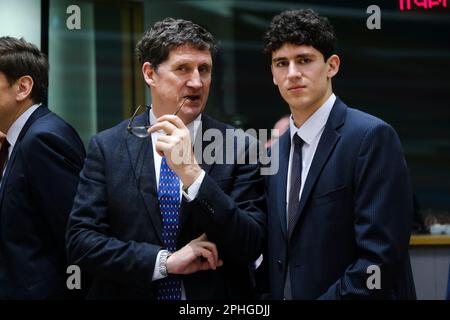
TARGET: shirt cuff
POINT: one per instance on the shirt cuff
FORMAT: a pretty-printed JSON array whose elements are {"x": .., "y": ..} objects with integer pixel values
[
  {"x": 191, "y": 192},
  {"x": 156, "y": 274}
]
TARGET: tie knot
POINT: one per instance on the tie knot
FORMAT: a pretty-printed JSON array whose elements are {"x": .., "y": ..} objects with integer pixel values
[{"x": 297, "y": 140}]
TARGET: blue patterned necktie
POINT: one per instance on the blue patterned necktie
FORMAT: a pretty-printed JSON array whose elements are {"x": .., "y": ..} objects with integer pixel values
[{"x": 169, "y": 206}]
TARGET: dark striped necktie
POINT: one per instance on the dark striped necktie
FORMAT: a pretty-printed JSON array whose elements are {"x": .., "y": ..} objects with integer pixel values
[{"x": 295, "y": 183}]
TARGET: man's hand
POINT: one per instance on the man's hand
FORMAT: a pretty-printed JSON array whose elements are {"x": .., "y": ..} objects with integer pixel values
[
  {"x": 199, "y": 254},
  {"x": 176, "y": 146}
]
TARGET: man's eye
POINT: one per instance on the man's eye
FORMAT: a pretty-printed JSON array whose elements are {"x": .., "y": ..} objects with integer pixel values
[
  {"x": 281, "y": 63},
  {"x": 305, "y": 61},
  {"x": 182, "y": 69},
  {"x": 204, "y": 70}
]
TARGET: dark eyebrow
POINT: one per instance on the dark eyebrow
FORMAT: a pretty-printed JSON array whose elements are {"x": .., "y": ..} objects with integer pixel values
[
  {"x": 305, "y": 55},
  {"x": 187, "y": 63},
  {"x": 206, "y": 64},
  {"x": 279, "y": 59},
  {"x": 181, "y": 63},
  {"x": 301, "y": 55}
]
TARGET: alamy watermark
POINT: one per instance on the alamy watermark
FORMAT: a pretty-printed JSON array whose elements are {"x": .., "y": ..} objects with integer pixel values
[
  {"x": 374, "y": 280},
  {"x": 234, "y": 146},
  {"x": 74, "y": 279},
  {"x": 374, "y": 20},
  {"x": 73, "y": 21}
]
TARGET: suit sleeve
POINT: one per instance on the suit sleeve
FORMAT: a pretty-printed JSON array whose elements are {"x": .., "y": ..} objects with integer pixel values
[
  {"x": 382, "y": 217},
  {"x": 235, "y": 221},
  {"x": 53, "y": 164},
  {"x": 88, "y": 242}
]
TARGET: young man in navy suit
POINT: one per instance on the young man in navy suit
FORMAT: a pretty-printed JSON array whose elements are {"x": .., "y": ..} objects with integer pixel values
[
  {"x": 340, "y": 207},
  {"x": 40, "y": 159},
  {"x": 149, "y": 220}
]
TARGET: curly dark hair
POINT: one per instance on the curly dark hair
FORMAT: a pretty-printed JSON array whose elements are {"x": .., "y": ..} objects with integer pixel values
[
  {"x": 170, "y": 33},
  {"x": 20, "y": 58},
  {"x": 301, "y": 27}
]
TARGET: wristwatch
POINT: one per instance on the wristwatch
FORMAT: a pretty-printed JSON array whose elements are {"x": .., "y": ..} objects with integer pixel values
[{"x": 165, "y": 254}]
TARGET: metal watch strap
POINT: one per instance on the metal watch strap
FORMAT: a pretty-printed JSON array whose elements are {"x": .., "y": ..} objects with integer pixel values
[{"x": 163, "y": 262}]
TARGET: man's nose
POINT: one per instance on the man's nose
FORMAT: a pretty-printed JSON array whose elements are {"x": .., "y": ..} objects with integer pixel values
[
  {"x": 195, "y": 80},
  {"x": 294, "y": 71}
]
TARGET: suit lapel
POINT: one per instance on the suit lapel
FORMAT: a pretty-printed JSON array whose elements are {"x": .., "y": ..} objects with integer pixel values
[
  {"x": 326, "y": 146},
  {"x": 38, "y": 113},
  {"x": 140, "y": 152}
]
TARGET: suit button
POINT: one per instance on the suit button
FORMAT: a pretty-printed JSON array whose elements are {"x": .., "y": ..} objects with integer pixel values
[{"x": 280, "y": 263}]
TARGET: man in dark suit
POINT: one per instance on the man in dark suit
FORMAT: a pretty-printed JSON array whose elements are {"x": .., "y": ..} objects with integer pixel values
[
  {"x": 150, "y": 221},
  {"x": 340, "y": 207},
  {"x": 40, "y": 161}
]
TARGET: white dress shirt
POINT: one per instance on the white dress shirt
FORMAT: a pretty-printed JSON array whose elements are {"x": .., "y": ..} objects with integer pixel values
[
  {"x": 16, "y": 128},
  {"x": 310, "y": 132},
  {"x": 192, "y": 191}
]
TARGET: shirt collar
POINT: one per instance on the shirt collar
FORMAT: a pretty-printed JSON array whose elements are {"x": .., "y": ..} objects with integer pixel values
[
  {"x": 192, "y": 126},
  {"x": 17, "y": 126},
  {"x": 315, "y": 123}
]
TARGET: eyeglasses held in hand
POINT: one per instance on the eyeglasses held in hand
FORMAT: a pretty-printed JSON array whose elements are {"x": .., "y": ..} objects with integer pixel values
[{"x": 142, "y": 131}]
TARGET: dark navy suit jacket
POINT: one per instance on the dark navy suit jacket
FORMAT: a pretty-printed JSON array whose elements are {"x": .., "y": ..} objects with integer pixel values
[
  {"x": 355, "y": 211},
  {"x": 36, "y": 196},
  {"x": 114, "y": 231}
]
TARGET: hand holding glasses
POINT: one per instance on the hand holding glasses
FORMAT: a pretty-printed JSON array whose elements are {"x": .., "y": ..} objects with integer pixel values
[{"x": 142, "y": 131}]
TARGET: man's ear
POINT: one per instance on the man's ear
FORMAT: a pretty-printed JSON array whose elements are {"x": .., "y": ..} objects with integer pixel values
[
  {"x": 149, "y": 74},
  {"x": 273, "y": 78},
  {"x": 24, "y": 87},
  {"x": 333, "y": 65}
]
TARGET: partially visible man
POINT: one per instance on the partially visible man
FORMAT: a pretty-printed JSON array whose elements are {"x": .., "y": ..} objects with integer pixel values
[
  {"x": 149, "y": 221},
  {"x": 340, "y": 207},
  {"x": 41, "y": 157}
]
